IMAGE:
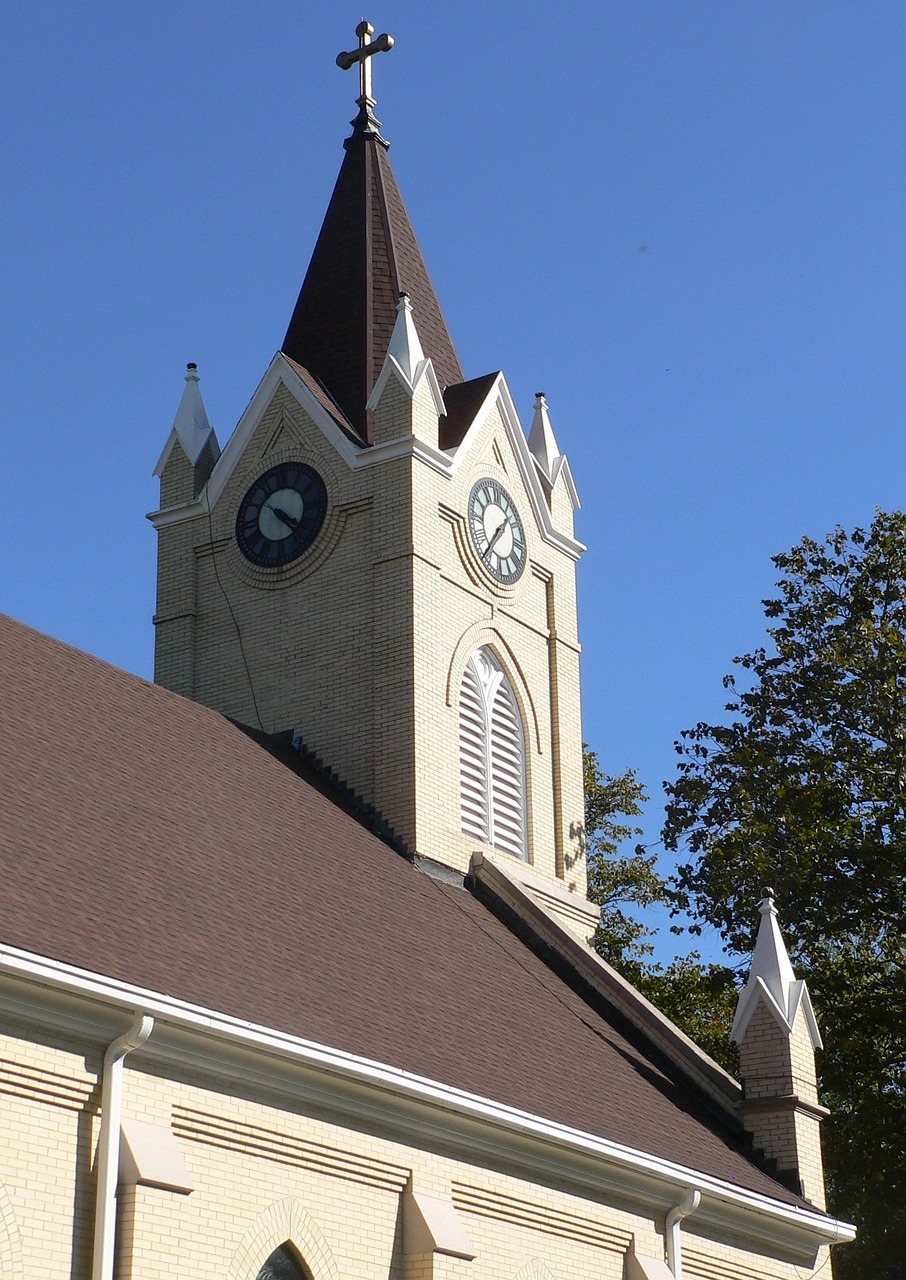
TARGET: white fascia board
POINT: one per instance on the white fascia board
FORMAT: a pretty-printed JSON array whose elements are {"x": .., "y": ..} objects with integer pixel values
[
  {"x": 279, "y": 370},
  {"x": 176, "y": 515},
  {"x": 165, "y": 453},
  {"x": 800, "y": 999},
  {"x": 404, "y": 447},
  {"x": 571, "y": 546},
  {"x": 499, "y": 393},
  {"x": 664, "y": 1176},
  {"x": 562, "y": 467},
  {"x": 748, "y": 1003}
]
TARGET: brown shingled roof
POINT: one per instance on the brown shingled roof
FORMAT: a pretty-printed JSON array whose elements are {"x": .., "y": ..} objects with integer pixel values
[
  {"x": 366, "y": 254},
  {"x": 263, "y": 898},
  {"x": 462, "y": 401}
]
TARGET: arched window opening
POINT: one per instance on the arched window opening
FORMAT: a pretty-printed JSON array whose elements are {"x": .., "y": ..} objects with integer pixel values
[
  {"x": 283, "y": 1264},
  {"x": 492, "y": 756}
]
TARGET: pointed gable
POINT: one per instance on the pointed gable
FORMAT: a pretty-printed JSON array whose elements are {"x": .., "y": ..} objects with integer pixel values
[{"x": 366, "y": 255}]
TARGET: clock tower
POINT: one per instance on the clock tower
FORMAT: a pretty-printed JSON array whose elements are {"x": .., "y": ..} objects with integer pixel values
[{"x": 380, "y": 564}]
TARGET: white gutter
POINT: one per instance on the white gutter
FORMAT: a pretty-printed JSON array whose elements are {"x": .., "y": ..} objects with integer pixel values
[
  {"x": 672, "y": 1230},
  {"x": 108, "y": 1157},
  {"x": 178, "y": 1013}
]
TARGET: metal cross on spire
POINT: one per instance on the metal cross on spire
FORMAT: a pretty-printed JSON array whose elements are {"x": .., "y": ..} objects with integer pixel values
[{"x": 362, "y": 56}]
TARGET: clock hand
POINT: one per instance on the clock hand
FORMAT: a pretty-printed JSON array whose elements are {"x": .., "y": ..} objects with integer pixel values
[
  {"x": 284, "y": 516},
  {"x": 495, "y": 538}
]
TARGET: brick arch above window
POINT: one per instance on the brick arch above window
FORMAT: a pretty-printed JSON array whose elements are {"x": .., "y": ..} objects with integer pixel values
[
  {"x": 480, "y": 635},
  {"x": 284, "y": 1223}
]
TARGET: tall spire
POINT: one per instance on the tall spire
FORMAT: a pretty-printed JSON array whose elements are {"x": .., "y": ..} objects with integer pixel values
[{"x": 365, "y": 256}]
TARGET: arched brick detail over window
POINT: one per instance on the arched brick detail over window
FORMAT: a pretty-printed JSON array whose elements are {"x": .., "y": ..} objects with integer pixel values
[
  {"x": 10, "y": 1242},
  {"x": 534, "y": 1269},
  {"x": 491, "y": 756},
  {"x": 283, "y": 1264},
  {"x": 286, "y": 1223}
]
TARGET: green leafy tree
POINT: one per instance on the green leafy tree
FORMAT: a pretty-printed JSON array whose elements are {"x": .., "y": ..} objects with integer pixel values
[
  {"x": 804, "y": 789},
  {"x": 698, "y": 997},
  {"x": 616, "y": 880}
]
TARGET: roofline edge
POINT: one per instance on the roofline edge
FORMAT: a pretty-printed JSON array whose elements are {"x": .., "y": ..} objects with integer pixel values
[{"x": 790, "y": 1223}]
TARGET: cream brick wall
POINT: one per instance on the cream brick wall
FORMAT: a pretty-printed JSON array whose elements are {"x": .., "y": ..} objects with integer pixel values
[
  {"x": 48, "y": 1104},
  {"x": 267, "y": 1170},
  {"x": 359, "y": 645},
  {"x": 778, "y": 1073}
]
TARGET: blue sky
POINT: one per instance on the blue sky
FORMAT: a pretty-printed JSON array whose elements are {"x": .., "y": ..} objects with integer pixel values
[{"x": 683, "y": 221}]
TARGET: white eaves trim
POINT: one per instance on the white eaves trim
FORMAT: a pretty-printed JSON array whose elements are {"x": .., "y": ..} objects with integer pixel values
[
  {"x": 356, "y": 456},
  {"x": 798, "y": 997},
  {"x": 80, "y": 982}
]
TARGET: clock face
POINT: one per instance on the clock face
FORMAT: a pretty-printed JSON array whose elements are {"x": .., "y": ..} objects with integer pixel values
[
  {"x": 281, "y": 514},
  {"x": 497, "y": 531}
]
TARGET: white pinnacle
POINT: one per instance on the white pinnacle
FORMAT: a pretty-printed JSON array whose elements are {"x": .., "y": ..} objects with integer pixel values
[
  {"x": 405, "y": 360},
  {"x": 772, "y": 978},
  {"x": 191, "y": 422},
  {"x": 541, "y": 442},
  {"x": 190, "y": 426},
  {"x": 405, "y": 345}
]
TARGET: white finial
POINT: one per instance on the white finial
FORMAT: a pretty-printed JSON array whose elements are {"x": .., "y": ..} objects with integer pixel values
[
  {"x": 190, "y": 426},
  {"x": 191, "y": 421},
  {"x": 541, "y": 442},
  {"x": 772, "y": 979},
  {"x": 405, "y": 344}
]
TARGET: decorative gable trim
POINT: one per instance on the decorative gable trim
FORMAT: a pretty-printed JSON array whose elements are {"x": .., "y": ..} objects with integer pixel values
[
  {"x": 499, "y": 395},
  {"x": 771, "y": 979},
  {"x": 799, "y": 999},
  {"x": 424, "y": 369}
]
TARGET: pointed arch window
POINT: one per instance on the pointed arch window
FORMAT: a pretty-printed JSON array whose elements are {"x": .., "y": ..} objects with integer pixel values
[
  {"x": 491, "y": 756},
  {"x": 283, "y": 1264}
]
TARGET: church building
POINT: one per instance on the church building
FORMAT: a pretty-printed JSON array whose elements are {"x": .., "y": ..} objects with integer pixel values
[{"x": 295, "y": 974}]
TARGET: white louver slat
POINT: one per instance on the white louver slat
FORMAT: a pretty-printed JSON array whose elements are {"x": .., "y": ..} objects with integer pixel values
[
  {"x": 492, "y": 756},
  {"x": 473, "y": 756},
  {"x": 507, "y": 788}
]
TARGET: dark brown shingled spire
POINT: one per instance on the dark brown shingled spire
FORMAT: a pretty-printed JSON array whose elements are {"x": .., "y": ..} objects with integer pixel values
[{"x": 366, "y": 255}]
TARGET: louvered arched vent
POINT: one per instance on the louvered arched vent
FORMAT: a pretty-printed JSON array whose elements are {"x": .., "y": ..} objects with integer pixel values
[{"x": 492, "y": 756}]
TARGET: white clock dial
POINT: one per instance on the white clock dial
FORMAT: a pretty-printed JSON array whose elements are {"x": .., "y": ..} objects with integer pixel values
[{"x": 497, "y": 532}]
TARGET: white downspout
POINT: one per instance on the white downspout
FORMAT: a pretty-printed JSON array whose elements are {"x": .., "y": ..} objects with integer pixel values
[
  {"x": 674, "y": 1218},
  {"x": 108, "y": 1156}
]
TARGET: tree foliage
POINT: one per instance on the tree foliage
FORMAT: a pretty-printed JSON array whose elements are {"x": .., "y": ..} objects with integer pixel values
[
  {"x": 698, "y": 997},
  {"x": 804, "y": 789},
  {"x": 617, "y": 880}
]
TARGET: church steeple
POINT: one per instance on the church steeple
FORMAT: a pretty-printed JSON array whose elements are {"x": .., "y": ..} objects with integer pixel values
[
  {"x": 378, "y": 536},
  {"x": 365, "y": 256}
]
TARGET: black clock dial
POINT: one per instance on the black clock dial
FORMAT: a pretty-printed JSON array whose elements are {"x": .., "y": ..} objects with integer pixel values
[
  {"x": 281, "y": 514},
  {"x": 497, "y": 531}
]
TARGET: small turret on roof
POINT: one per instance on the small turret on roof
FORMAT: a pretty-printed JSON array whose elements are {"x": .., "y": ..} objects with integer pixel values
[
  {"x": 777, "y": 1035},
  {"x": 772, "y": 980},
  {"x": 197, "y": 442}
]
